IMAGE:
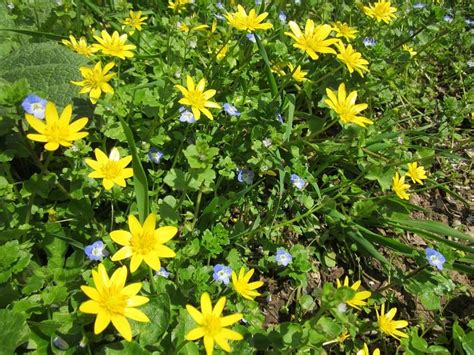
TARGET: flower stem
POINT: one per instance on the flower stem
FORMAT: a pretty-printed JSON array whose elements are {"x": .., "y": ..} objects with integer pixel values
[{"x": 152, "y": 281}]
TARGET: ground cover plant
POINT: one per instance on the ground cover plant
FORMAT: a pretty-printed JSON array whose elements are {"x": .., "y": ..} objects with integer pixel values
[{"x": 185, "y": 177}]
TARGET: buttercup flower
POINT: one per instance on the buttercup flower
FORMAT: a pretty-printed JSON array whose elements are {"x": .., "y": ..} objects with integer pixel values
[
  {"x": 135, "y": 20},
  {"x": 390, "y": 326},
  {"x": 143, "y": 243},
  {"x": 352, "y": 59},
  {"x": 96, "y": 81},
  {"x": 112, "y": 169},
  {"x": 198, "y": 99},
  {"x": 222, "y": 52},
  {"x": 55, "y": 130},
  {"x": 344, "y": 30},
  {"x": 282, "y": 257},
  {"x": 313, "y": 40},
  {"x": 80, "y": 46},
  {"x": 211, "y": 325},
  {"x": 178, "y": 5},
  {"x": 399, "y": 187},
  {"x": 251, "y": 22},
  {"x": 163, "y": 273},
  {"x": 298, "y": 74},
  {"x": 345, "y": 106},
  {"x": 243, "y": 287},
  {"x": 114, "y": 302},
  {"x": 297, "y": 182},
  {"x": 409, "y": 49},
  {"x": 435, "y": 258},
  {"x": 96, "y": 251},
  {"x": 34, "y": 105},
  {"x": 222, "y": 274},
  {"x": 381, "y": 11},
  {"x": 416, "y": 173},
  {"x": 358, "y": 299},
  {"x": 114, "y": 45},
  {"x": 365, "y": 351},
  {"x": 245, "y": 176},
  {"x": 231, "y": 110},
  {"x": 155, "y": 155}
]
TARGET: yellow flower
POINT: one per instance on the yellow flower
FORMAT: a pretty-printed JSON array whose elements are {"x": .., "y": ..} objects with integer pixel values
[
  {"x": 390, "y": 326},
  {"x": 352, "y": 59},
  {"x": 345, "y": 106},
  {"x": 135, "y": 20},
  {"x": 111, "y": 169},
  {"x": 80, "y": 46},
  {"x": 211, "y": 325},
  {"x": 222, "y": 52},
  {"x": 359, "y": 297},
  {"x": 365, "y": 351},
  {"x": 341, "y": 338},
  {"x": 344, "y": 30},
  {"x": 143, "y": 243},
  {"x": 298, "y": 74},
  {"x": 243, "y": 287},
  {"x": 313, "y": 39},
  {"x": 178, "y": 5},
  {"x": 114, "y": 302},
  {"x": 114, "y": 45},
  {"x": 251, "y": 22},
  {"x": 416, "y": 173},
  {"x": 399, "y": 186},
  {"x": 381, "y": 11},
  {"x": 197, "y": 98},
  {"x": 55, "y": 130},
  {"x": 409, "y": 49},
  {"x": 95, "y": 81}
]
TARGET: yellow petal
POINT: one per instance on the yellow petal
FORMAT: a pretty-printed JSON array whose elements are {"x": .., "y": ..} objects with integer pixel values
[
  {"x": 230, "y": 319},
  {"x": 122, "y": 253},
  {"x": 101, "y": 322},
  {"x": 149, "y": 225},
  {"x": 195, "y": 333},
  {"x": 135, "y": 262},
  {"x": 123, "y": 326},
  {"x": 164, "y": 234},
  {"x": 134, "y": 225},
  {"x": 208, "y": 344},
  {"x": 219, "y": 307},
  {"x": 36, "y": 123},
  {"x": 230, "y": 334},
  {"x": 90, "y": 306},
  {"x": 131, "y": 289},
  {"x": 51, "y": 146},
  {"x": 66, "y": 114},
  {"x": 222, "y": 343},
  {"x": 163, "y": 251},
  {"x": 91, "y": 292},
  {"x": 121, "y": 237},
  {"x": 194, "y": 313},
  {"x": 119, "y": 277},
  {"x": 37, "y": 137},
  {"x": 206, "y": 305},
  {"x": 51, "y": 114},
  {"x": 153, "y": 261},
  {"x": 136, "y": 301},
  {"x": 136, "y": 315}
]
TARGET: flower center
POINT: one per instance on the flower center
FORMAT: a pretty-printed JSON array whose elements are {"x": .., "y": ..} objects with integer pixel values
[
  {"x": 55, "y": 132},
  {"x": 212, "y": 325},
  {"x": 143, "y": 243},
  {"x": 111, "y": 169},
  {"x": 113, "y": 301},
  {"x": 197, "y": 99}
]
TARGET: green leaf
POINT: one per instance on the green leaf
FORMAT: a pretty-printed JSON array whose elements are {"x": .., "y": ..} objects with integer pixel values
[
  {"x": 48, "y": 68},
  {"x": 158, "y": 310},
  {"x": 14, "y": 332},
  {"x": 436, "y": 228},
  {"x": 140, "y": 182},
  {"x": 430, "y": 300},
  {"x": 9, "y": 253},
  {"x": 468, "y": 343}
]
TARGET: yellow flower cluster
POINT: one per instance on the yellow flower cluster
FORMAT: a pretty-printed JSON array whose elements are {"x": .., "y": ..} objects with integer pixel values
[{"x": 417, "y": 175}]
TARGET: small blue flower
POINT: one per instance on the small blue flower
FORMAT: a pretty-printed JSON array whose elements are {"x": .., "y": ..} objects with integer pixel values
[
  {"x": 96, "y": 251},
  {"x": 282, "y": 17},
  {"x": 258, "y": 2},
  {"x": 297, "y": 182},
  {"x": 220, "y": 5},
  {"x": 469, "y": 22},
  {"x": 448, "y": 18},
  {"x": 282, "y": 257},
  {"x": 222, "y": 273},
  {"x": 369, "y": 42},
  {"x": 34, "y": 105},
  {"x": 219, "y": 17},
  {"x": 231, "y": 110},
  {"x": 163, "y": 273},
  {"x": 419, "y": 5},
  {"x": 435, "y": 258},
  {"x": 60, "y": 343},
  {"x": 186, "y": 116},
  {"x": 280, "y": 118},
  {"x": 251, "y": 37},
  {"x": 155, "y": 155},
  {"x": 245, "y": 176}
]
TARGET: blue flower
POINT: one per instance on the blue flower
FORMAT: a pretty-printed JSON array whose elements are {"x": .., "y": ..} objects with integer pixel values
[
  {"x": 155, "y": 155},
  {"x": 186, "y": 116},
  {"x": 282, "y": 17},
  {"x": 231, "y": 110},
  {"x": 469, "y": 22},
  {"x": 251, "y": 37},
  {"x": 435, "y": 258},
  {"x": 280, "y": 118},
  {"x": 96, "y": 251},
  {"x": 222, "y": 273},
  {"x": 369, "y": 42},
  {"x": 282, "y": 257},
  {"x": 297, "y": 182},
  {"x": 163, "y": 273},
  {"x": 34, "y": 105},
  {"x": 220, "y": 6},
  {"x": 448, "y": 18},
  {"x": 258, "y": 2},
  {"x": 419, "y": 5},
  {"x": 245, "y": 176}
]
